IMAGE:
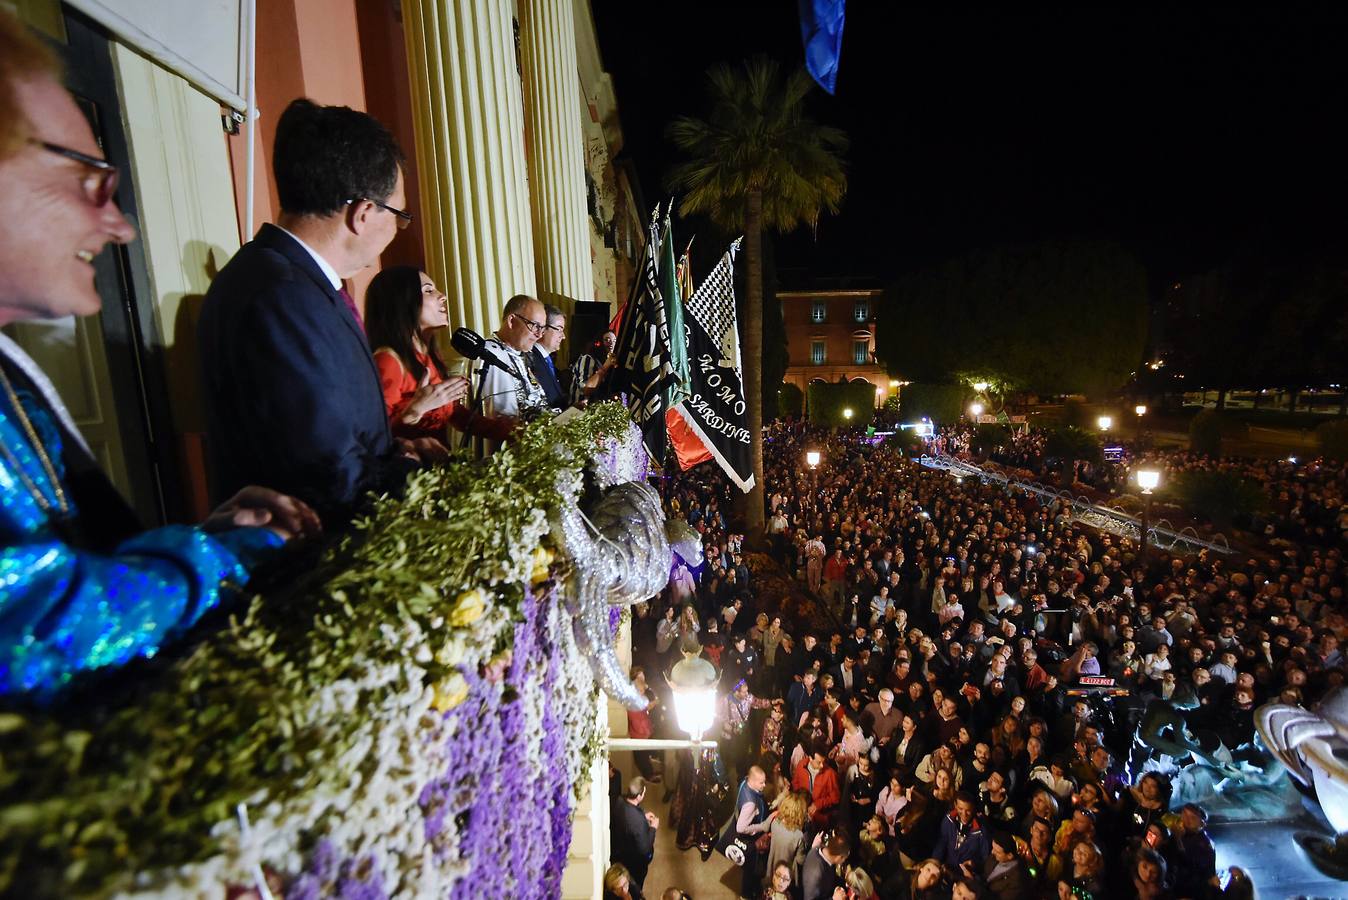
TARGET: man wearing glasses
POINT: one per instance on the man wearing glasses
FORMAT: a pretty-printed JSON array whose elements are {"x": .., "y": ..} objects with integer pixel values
[
  {"x": 516, "y": 393},
  {"x": 292, "y": 393},
  {"x": 86, "y": 586},
  {"x": 542, "y": 359}
]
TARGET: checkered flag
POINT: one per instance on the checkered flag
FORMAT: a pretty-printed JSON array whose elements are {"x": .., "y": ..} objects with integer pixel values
[
  {"x": 715, "y": 410},
  {"x": 713, "y": 305}
]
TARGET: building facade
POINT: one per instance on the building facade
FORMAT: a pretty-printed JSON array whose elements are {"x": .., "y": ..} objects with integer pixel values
[{"x": 830, "y": 336}]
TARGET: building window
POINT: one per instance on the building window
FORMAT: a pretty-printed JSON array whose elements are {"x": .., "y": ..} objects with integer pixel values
[
  {"x": 817, "y": 352},
  {"x": 861, "y": 311},
  {"x": 861, "y": 352},
  {"x": 819, "y": 312}
]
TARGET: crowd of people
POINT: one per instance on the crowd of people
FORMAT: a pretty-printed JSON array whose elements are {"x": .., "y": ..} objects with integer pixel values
[{"x": 926, "y": 732}]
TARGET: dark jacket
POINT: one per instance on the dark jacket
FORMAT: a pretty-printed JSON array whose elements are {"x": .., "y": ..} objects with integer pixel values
[
  {"x": 547, "y": 377},
  {"x": 818, "y": 877},
  {"x": 1011, "y": 884},
  {"x": 293, "y": 399},
  {"x": 633, "y": 836}
]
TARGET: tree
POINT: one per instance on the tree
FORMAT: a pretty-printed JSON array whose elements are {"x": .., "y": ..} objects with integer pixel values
[
  {"x": 757, "y": 161},
  {"x": 1069, "y": 445},
  {"x": 1054, "y": 317}
]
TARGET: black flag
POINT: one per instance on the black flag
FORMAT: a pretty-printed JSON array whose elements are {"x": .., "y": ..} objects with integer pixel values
[
  {"x": 645, "y": 362},
  {"x": 716, "y": 409}
]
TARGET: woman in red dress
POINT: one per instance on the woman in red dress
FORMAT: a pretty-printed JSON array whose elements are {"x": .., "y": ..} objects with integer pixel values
[{"x": 403, "y": 308}]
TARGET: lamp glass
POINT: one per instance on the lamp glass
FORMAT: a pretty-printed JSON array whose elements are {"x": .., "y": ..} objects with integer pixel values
[
  {"x": 693, "y": 681},
  {"x": 980, "y": 386},
  {"x": 1140, "y": 409},
  {"x": 976, "y": 409},
  {"x": 812, "y": 458},
  {"x": 1148, "y": 479},
  {"x": 1104, "y": 422},
  {"x": 847, "y": 413}
]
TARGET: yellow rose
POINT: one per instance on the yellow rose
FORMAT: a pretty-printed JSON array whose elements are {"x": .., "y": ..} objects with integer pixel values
[
  {"x": 542, "y": 564},
  {"x": 449, "y": 693},
  {"x": 468, "y": 608}
]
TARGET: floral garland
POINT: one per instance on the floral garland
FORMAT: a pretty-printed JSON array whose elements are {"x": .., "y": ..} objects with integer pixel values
[{"x": 416, "y": 725}]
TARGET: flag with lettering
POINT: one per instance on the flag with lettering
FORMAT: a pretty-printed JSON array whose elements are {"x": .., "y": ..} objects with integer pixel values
[
  {"x": 645, "y": 371},
  {"x": 716, "y": 408}
]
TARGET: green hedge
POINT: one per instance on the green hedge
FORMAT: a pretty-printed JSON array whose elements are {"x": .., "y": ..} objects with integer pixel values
[
  {"x": 1205, "y": 433},
  {"x": 942, "y": 403},
  {"x": 1333, "y": 438},
  {"x": 827, "y": 402},
  {"x": 1219, "y": 497},
  {"x": 790, "y": 401}
]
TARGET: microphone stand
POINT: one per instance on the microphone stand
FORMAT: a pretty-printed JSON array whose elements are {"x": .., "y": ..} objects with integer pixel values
[{"x": 476, "y": 409}]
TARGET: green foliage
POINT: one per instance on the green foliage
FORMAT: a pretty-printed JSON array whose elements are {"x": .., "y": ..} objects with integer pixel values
[
  {"x": 1075, "y": 415},
  {"x": 299, "y": 698},
  {"x": 1205, "y": 433},
  {"x": 790, "y": 401},
  {"x": 758, "y": 137},
  {"x": 988, "y": 436},
  {"x": 907, "y": 440},
  {"x": 1072, "y": 444},
  {"x": 827, "y": 402},
  {"x": 1220, "y": 497},
  {"x": 1054, "y": 317},
  {"x": 942, "y": 403},
  {"x": 1333, "y": 438}
]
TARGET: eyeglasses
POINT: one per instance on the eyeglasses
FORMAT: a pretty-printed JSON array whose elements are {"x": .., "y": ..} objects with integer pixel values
[
  {"x": 537, "y": 328},
  {"x": 404, "y": 217},
  {"x": 100, "y": 184},
  {"x": 553, "y": 327}
]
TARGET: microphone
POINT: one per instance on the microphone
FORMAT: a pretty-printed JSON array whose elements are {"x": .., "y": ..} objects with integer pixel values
[{"x": 471, "y": 345}]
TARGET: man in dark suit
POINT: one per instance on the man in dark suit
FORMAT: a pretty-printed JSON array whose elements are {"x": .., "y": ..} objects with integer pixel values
[
  {"x": 542, "y": 359},
  {"x": 633, "y": 831},
  {"x": 293, "y": 398},
  {"x": 819, "y": 874}
]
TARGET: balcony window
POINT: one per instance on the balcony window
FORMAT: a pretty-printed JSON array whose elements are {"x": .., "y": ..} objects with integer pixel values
[
  {"x": 817, "y": 352},
  {"x": 861, "y": 311},
  {"x": 861, "y": 352},
  {"x": 819, "y": 311}
]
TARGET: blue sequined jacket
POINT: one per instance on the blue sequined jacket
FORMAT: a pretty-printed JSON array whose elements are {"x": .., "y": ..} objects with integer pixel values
[{"x": 65, "y": 608}]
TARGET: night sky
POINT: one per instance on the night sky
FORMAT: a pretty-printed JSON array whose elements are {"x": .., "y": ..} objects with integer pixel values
[{"x": 1190, "y": 136}]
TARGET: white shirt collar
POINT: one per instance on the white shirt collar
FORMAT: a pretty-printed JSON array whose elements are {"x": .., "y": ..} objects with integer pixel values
[{"x": 323, "y": 264}]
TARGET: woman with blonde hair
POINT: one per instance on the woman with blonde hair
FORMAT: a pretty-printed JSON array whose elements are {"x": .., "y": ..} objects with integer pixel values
[
  {"x": 1088, "y": 871},
  {"x": 788, "y": 834},
  {"x": 618, "y": 883}
]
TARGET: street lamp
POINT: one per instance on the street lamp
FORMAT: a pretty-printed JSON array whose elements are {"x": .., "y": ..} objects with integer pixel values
[
  {"x": 1104, "y": 422},
  {"x": 980, "y": 386},
  {"x": 1147, "y": 479},
  {"x": 693, "y": 680},
  {"x": 1140, "y": 409},
  {"x": 847, "y": 413},
  {"x": 976, "y": 409},
  {"x": 812, "y": 458}
]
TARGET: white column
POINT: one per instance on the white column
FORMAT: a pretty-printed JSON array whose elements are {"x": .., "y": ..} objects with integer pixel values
[
  {"x": 556, "y": 142},
  {"x": 468, "y": 112}
]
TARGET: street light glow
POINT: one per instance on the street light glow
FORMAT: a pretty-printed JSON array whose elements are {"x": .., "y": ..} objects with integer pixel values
[
  {"x": 980, "y": 386},
  {"x": 976, "y": 409},
  {"x": 1140, "y": 409},
  {"x": 847, "y": 413},
  {"x": 1148, "y": 479},
  {"x": 1104, "y": 422},
  {"x": 812, "y": 458},
  {"x": 693, "y": 681}
]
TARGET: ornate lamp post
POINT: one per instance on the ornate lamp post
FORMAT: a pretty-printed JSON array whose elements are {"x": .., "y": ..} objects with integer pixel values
[
  {"x": 1104, "y": 422},
  {"x": 693, "y": 681},
  {"x": 1147, "y": 479}
]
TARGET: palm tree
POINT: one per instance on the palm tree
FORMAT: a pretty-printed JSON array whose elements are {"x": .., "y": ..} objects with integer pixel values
[{"x": 757, "y": 161}]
